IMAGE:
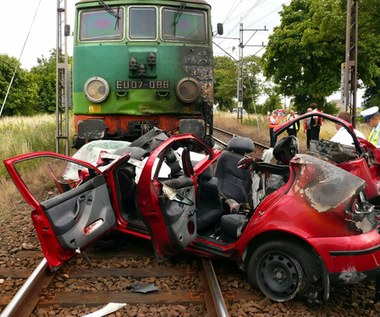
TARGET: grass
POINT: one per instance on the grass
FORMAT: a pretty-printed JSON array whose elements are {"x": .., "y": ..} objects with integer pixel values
[{"x": 20, "y": 135}]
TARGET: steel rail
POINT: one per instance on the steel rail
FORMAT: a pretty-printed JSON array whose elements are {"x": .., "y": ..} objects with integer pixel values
[
  {"x": 224, "y": 144},
  {"x": 17, "y": 306},
  {"x": 235, "y": 135},
  {"x": 219, "y": 308}
]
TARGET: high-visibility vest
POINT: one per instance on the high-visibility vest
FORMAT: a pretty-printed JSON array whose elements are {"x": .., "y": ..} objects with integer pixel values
[
  {"x": 374, "y": 136},
  {"x": 296, "y": 124},
  {"x": 272, "y": 122}
]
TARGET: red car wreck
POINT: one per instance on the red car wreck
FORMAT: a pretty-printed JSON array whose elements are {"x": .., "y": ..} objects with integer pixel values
[
  {"x": 294, "y": 229},
  {"x": 361, "y": 159}
]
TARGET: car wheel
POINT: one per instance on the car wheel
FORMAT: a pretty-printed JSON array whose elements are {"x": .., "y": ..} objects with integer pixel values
[{"x": 283, "y": 269}]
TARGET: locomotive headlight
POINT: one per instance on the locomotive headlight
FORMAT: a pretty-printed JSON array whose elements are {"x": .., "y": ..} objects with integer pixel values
[
  {"x": 96, "y": 89},
  {"x": 188, "y": 89}
]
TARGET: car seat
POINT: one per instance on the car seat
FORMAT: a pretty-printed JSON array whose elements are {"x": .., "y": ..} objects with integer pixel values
[
  {"x": 234, "y": 183},
  {"x": 286, "y": 149},
  {"x": 210, "y": 208}
]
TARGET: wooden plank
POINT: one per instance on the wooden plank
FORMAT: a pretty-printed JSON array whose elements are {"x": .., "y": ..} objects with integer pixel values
[
  {"x": 100, "y": 298},
  {"x": 130, "y": 272},
  {"x": 15, "y": 273},
  {"x": 158, "y": 297}
]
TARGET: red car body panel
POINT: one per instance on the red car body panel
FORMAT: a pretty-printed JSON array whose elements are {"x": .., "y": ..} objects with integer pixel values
[
  {"x": 319, "y": 206},
  {"x": 54, "y": 253},
  {"x": 367, "y": 163}
]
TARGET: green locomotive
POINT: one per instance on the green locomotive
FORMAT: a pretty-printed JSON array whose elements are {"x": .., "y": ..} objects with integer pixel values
[{"x": 142, "y": 64}]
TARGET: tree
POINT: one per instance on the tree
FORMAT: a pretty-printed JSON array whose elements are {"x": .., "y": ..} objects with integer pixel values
[
  {"x": 372, "y": 95},
  {"x": 305, "y": 52},
  {"x": 251, "y": 82},
  {"x": 22, "y": 95},
  {"x": 273, "y": 102},
  {"x": 225, "y": 82},
  {"x": 45, "y": 76},
  {"x": 369, "y": 51}
]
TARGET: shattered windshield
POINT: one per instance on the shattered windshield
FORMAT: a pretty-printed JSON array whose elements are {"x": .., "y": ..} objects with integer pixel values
[{"x": 184, "y": 25}]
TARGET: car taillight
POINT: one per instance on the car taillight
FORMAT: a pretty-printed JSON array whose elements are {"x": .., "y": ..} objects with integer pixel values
[{"x": 361, "y": 215}]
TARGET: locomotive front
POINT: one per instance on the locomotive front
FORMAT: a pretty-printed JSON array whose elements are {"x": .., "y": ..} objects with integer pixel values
[{"x": 140, "y": 64}]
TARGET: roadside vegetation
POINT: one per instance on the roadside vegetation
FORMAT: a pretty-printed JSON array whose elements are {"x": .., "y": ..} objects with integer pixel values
[{"x": 20, "y": 135}]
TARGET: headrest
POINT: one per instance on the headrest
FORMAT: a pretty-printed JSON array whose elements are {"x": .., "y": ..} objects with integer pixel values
[
  {"x": 208, "y": 173},
  {"x": 285, "y": 149},
  {"x": 241, "y": 145}
]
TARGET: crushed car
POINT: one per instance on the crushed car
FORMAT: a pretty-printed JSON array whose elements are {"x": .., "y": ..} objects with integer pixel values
[
  {"x": 361, "y": 158},
  {"x": 296, "y": 236}
]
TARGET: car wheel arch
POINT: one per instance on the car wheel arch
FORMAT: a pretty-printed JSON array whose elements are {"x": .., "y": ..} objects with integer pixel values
[{"x": 318, "y": 273}]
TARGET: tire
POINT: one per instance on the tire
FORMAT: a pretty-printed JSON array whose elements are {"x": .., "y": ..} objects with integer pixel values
[{"x": 282, "y": 270}]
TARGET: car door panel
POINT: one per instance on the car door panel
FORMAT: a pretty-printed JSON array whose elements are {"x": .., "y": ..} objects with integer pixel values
[
  {"x": 79, "y": 215},
  {"x": 66, "y": 218},
  {"x": 179, "y": 214},
  {"x": 168, "y": 203}
]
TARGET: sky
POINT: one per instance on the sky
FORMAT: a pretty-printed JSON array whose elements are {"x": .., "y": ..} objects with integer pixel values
[
  {"x": 30, "y": 31},
  {"x": 258, "y": 18},
  {"x": 28, "y": 27}
]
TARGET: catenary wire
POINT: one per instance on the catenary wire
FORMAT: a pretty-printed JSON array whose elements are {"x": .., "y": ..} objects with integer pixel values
[{"x": 18, "y": 61}]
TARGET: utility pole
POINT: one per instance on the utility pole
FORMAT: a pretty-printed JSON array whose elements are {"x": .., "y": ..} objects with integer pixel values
[
  {"x": 63, "y": 86},
  {"x": 351, "y": 60},
  {"x": 240, "y": 85},
  {"x": 240, "y": 76}
]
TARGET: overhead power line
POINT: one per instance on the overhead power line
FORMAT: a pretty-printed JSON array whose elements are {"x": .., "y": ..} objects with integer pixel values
[{"x": 18, "y": 61}]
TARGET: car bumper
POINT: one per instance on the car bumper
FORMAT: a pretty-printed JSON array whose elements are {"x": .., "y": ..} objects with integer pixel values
[{"x": 350, "y": 259}]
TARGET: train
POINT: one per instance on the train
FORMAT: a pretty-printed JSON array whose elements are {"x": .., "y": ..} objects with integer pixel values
[{"x": 139, "y": 65}]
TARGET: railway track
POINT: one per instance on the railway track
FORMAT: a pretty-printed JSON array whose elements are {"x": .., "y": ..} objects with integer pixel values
[
  {"x": 44, "y": 290},
  {"x": 221, "y": 138},
  {"x": 127, "y": 274}
]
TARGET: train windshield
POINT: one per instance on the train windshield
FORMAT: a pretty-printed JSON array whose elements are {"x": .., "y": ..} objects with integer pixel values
[
  {"x": 184, "y": 25},
  {"x": 101, "y": 24},
  {"x": 142, "y": 23}
]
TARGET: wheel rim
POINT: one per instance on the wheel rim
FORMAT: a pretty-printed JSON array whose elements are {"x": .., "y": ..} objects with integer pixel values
[{"x": 279, "y": 276}]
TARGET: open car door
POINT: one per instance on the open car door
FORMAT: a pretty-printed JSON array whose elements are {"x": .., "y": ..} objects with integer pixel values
[
  {"x": 70, "y": 201},
  {"x": 167, "y": 192}
]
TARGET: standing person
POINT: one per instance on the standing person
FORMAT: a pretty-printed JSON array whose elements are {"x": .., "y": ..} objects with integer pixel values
[
  {"x": 307, "y": 128},
  {"x": 315, "y": 123},
  {"x": 293, "y": 129},
  {"x": 273, "y": 122},
  {"x": 342, "y": 136},
  {"x": 372, "y": 118}
]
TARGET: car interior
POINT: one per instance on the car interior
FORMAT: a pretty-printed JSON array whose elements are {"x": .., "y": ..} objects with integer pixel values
[{"x": 223, "y": 202}]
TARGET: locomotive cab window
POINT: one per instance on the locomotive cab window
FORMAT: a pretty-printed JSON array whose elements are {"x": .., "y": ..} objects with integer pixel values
[
  {"x": 142, "y": 23},
  {"x": 184, "y": 25},
  {"x": 101, "y": 25}
]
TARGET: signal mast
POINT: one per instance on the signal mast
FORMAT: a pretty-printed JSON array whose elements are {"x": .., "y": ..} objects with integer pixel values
[
  {"x": 349, "y": 70},
  {"x": 63, "y": 91}
]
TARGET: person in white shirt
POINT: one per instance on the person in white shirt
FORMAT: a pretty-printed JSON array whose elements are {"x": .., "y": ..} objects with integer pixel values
[
  {"x": 372, "y": 118},
  {"x": 342, "y": 136}
]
